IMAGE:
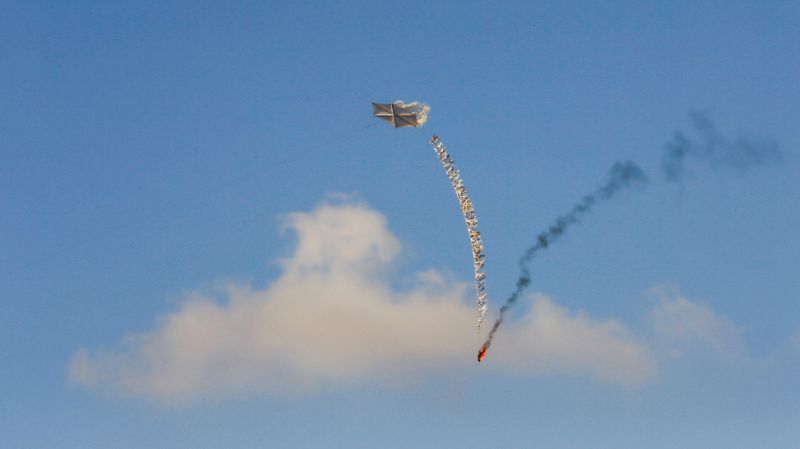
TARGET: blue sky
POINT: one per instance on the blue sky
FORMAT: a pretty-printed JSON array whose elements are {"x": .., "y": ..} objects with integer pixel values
[{"x": 153, "y": 153}]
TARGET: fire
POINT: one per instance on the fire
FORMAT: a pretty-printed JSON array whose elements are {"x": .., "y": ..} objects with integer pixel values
[{"x": 482, "y": 353}]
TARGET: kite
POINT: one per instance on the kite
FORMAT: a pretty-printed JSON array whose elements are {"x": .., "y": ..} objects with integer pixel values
[
  {"x": 402, "y": 115},
  {"x": 415, "y": 114}
]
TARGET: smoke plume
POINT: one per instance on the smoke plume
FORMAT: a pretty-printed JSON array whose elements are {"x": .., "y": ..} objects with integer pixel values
[
  {"x": 715, "y": 149},
  {"x": 711, "y": 148},
  {"x": 622, "y": 175}
]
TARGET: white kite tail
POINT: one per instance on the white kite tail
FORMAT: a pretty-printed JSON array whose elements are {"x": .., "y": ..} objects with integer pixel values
[{"x": 478, "y": 258}]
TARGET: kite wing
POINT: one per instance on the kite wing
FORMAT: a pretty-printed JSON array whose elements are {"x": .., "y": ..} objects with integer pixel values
[{"x": 398, "y": 114}]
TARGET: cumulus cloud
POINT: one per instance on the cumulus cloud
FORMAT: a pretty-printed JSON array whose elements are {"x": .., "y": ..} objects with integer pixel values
[
  {"x": 690, "y": 326},
  {"x": 551, "y": 339},
  {"x": 332, "y": 319}
]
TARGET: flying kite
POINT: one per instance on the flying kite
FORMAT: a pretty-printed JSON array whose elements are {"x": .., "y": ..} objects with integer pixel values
[
  {"x": 415, "y": 114},
  {"x": 402, "y": 115}
]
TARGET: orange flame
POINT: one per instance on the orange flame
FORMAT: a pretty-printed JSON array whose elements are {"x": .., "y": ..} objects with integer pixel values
[{"x": 482, "y": 353}]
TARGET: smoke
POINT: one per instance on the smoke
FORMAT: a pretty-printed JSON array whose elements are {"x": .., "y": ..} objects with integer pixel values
[
  {"x": 420, "y": 109},
  {"x": 622, "y": 175},
  {"x": 711, "y": 148},
  {"x": 715, "y": 149}
]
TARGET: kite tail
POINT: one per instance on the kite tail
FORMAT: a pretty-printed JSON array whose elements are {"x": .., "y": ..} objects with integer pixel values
[{"x": 478, "y": 258}]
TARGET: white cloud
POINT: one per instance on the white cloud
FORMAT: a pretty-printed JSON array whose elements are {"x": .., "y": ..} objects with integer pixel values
[
  {"x": 551, "y": 339},
  {"x": 332, "y": 319},
  {"x": 689, "y": 326}
]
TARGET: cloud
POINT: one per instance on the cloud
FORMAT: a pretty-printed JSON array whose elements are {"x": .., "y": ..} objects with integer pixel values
[
  {"x": 689, "y": 326},
  {"x": 332, "y": 319},
  {"x": 551, "y": 339}
]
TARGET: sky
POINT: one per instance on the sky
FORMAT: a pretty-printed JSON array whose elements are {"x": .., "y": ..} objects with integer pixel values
[{"x": 207, "y": 241}]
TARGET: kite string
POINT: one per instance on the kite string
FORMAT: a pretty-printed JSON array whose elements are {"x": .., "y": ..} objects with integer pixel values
[{"x": 471, "y": 220}]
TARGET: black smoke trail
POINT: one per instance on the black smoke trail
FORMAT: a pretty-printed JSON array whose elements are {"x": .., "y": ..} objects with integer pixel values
[
  {"x": 710, "y": 147},
  {"x": 622, "y": 175},
  {"x": 715, "y": 149}
]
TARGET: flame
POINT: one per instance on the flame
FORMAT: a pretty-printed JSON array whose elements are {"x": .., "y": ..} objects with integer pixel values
[{"x": 482, "y": 353}]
